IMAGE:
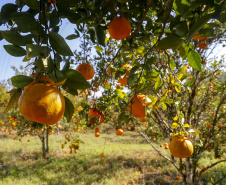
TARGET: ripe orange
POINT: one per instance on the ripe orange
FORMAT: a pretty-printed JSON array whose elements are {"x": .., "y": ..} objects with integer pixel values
[
  {"x": 51, "y": 1},
  {"x": 123, "y": 80},
  {"x": 119, "y": 28},
  {"x": 97, "y": 130},
  {"x": 203, "y": 45},
  {"x": 119, "y": 132},
  {"x": 97, "y": 134},
  {"x": 118, "y": 86},
  {"x": 181, "y": 147},
  {"x": 42, "y": 103},
  {"x": 40, "y": 77},
  {"x": 87, "y": 70},
  {"x": 208, "y": 126},
  {"x": 93, "y": 112},
  {"x": 102, "y": 155},
  {"x": 138, "y": 105},
  {"x": 102, "y": 118}
]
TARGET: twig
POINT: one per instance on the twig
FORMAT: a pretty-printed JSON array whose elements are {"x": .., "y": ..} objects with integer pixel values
[
  {"x": 210, "y": 166},
  {"x": 147, "y": 139}
]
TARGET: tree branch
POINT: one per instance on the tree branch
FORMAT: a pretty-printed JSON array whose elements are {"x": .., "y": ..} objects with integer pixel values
[{"x": 147, "y": 139}]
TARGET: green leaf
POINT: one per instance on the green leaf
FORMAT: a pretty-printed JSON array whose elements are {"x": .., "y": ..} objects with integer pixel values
[
  {"x": 100, "y": 35},
  {"x": 108, "y": 86},
  {"x": 35, "y": 50},
  {"x": 158, "y": 83},
  {"x": 180, "y": 6},
  {"x": 194, "y": 60},
  {"x": 169, "y": 42},
  {"x": 21, "y": 81},
  {"x": 131, "y": 79},
  {"x": 98, "y": 48},
  {"x": 197, "y": 26},
  {"x": 92, "y": 35},
  {"x": 151, "y": 60},
  {"x": 164, "y": 106},
  {"x": 190, "y": 82},
  {"x": 58, "y": 43},
  {"x": 13, "y": 99},
  {"x": 25, "y": 21},
  {"x": 182, "y": 69},
  {"x": 34, "y": 4},
  {"x": 194, "y": 131},
  {"x": 175, "y": 125},
  {"x": 54, "y": 19},
  {"x": 75, "y": 80},
  {"x": 119, "y": 93},
  {"x": 16, "y": 38},
  {"x": 69, "y": 109},
  {"x": 72, "y": 36},
  {"x": 7, "y": 11},
  {"x": 186, "y": 125},
  {"x": 15, "y": 51},
  {"x": 175, "y": 118},
  {"x": 181, "y": 29}
]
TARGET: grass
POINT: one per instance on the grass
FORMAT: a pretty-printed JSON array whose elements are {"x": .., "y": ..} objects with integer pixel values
[{"x": 128, "y": 160}]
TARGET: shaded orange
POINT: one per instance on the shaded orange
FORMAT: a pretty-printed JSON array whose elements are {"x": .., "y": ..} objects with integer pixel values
[
  {"x": 119, "y": 28},
  {"x": 93, "y": 112},
  {"x": 87, "y": 70},
  {"x": 181, "y": 147},
  {"x": 42, "y": 103}
]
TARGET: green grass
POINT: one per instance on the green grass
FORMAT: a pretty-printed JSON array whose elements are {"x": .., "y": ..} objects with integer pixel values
[{"x": 128, "y": 159}]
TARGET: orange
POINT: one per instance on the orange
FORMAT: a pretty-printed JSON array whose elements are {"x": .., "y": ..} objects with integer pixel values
[
  {"x": 138, "y": 105},
  {"x": 97, "y": 134},
  {"x": 119, "y": 28},
  {"x": 93, "y": 112},
  {"x": 102, "y": 155},
  {"x": 51, "y": 1},
  {"x": 123, "y": 80},
  {"x": 209, "y": 126},
  {"x": 42, "y": 103},
  {"x": 203, "y": 45},
  {"x": 102, "y": 118},
  {"x": 119, "y": 132},
  {"x": 181, "y": 147},
  {"x": 87, "y": 70},
  {"x": 97, "y": 130},
  {"x": 40, "y": 77}
]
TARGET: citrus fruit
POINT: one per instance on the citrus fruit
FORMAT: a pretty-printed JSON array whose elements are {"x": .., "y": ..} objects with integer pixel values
[
  {"x": 93, "y": 112},
  {"x": 137, "y": 105},
  {"x": 87, "y": 70},
  {"x": 119, "y": 132},
  {"x": 119, "y": 28},
  {"x": 42, "y": 103},
  {"x": 181, "y": 147}
]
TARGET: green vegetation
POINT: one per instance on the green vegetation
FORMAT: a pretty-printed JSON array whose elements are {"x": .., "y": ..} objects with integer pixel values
[{"x": 128, "y": 159}]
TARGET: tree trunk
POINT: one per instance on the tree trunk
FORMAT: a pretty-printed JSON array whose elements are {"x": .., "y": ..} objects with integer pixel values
[
  {"x": 43, "y": 146},
  {"x": 189, "y": 174},
  {"x": 47, "y": 141}
]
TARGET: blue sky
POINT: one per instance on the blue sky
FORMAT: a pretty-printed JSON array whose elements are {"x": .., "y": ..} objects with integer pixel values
[{"x": 6, "y": 60}]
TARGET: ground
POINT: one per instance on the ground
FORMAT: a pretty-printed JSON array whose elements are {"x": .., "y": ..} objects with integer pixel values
[{"x": 128, "y": 160}]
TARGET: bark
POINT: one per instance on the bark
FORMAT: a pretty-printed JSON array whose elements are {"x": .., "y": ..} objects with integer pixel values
[{"x": 189, "y": 174}]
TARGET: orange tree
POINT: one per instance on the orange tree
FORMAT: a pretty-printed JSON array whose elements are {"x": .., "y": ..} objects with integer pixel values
[{"x": 167, "y": 38}]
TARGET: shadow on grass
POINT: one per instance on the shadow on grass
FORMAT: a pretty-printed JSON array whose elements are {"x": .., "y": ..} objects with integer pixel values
[
  {"x": 88, "y": 170},
  {"x": 73, "y": 170}
]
